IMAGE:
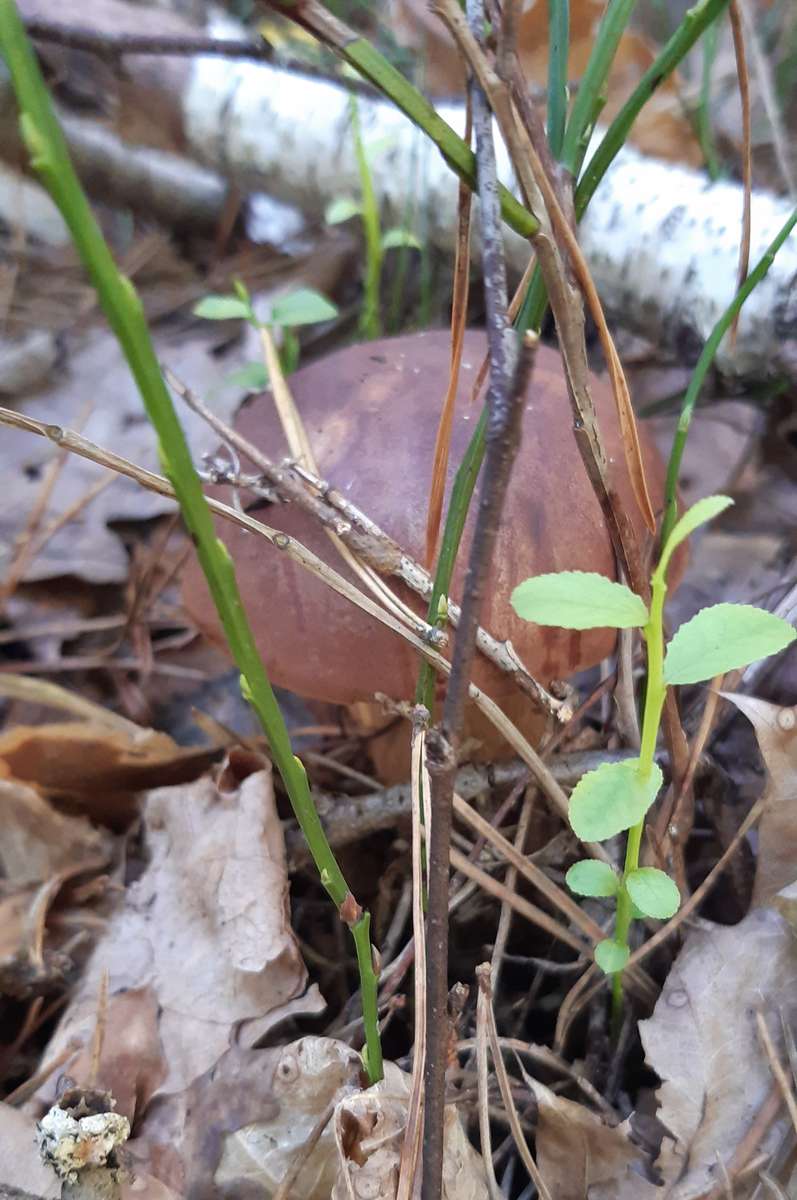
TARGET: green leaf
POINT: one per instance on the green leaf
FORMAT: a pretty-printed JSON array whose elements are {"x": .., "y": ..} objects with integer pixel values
[
  {"x": 722, "y": 638},
  {"x": 653, "y": 893},
  {"x": 592, "y": 878},
  {"x": 251, "y": 378},
  {"x": 223, "y": 308},
  {"x": 705, "y": 510},
  {"x": 342, "y": 209},
  {"x": 394, "y": 238},
  {"x": 612, "y": 798},
  {"x": 610, "y": 956},
  {"x": 578, "y": 600},
  {"x": 303, "y": 307}
]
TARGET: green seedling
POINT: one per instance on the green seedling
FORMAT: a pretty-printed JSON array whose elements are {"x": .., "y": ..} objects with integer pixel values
[
  {"x": 301, "y": 307},
  {"x": 377, "y": 241},
  {"x": 617, "y": 796}
]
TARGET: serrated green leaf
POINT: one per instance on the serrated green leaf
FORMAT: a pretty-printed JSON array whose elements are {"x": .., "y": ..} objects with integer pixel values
[
  {"x": 394, "y": 238},
  {"x": 342, "y": 209},
  {"x": 592, "y": 878},
  {"x": 722, "y": 638},
  {"x": 653, "y": 893},
  {"x": 251, "y": 378},
  {"x": 701, "y": 512},
  {"x": 578, "y": 600},
  {"x": 223, "y": 308},
  {"x": 610, "y": 956},
  {"x": 612, "y": 798},
  {"x": 303, "y": 307}
]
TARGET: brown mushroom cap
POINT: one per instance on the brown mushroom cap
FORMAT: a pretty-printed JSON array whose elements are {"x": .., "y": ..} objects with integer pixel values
[{"x": 371, "y": 414}]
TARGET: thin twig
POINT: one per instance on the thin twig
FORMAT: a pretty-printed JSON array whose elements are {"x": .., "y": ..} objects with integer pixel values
[
  {"x": 483, "y": 977},
  {"x": 482, "y": 1077},
  {"x": 300, "y": 1157},
  {"x": 776, "y": 1067},
  {"x": 411, "y": 1147},
  {"x": 510, "y": 880},
  {"x": 508, "y": 377},
  {"x": 113, "y": 47},
  {"x": 781, "y": 141}
]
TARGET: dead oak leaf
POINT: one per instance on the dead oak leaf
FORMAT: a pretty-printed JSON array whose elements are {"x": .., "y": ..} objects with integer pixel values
[
  {"x": 702, "y": 1042},
  {"x": 206, "y": 927},
  {"x": 776, "y": 731},
  {"x": 39, "y": 842},
  {"x": 580, "y": 1155}
]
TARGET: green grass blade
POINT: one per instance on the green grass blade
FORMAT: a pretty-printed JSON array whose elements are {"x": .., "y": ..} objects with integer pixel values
[
  {"x": 587, "y": 102},
  {"x": 558, "y": 53},
  {"x": 703, "y": 366},
  {"x": 691, "y": 28}
]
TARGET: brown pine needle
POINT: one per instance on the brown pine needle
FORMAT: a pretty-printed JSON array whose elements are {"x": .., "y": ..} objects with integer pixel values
[{"x": 459, "y": 316}]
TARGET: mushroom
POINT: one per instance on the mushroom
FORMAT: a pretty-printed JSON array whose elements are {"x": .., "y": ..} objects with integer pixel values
[{"x": 371, "y": 414}]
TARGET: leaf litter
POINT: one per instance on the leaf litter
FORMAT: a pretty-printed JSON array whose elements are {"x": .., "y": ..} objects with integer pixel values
[{"x": 146, "y": 902}]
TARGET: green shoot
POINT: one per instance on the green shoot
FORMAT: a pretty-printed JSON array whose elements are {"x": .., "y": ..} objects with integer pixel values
[
  {"x": 559, "y": 47},
  {"x": 616, "y": 797},
  {"x": 700, "y": 372},
  {"x": 300, "y": 307},
  {"x": 122, "y": 306},
  {"x": 376, "y": 242},
  {"x": 705, "y": 133}
]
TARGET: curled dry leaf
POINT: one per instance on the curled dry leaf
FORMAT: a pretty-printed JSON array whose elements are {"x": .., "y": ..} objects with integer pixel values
[
  {"x": 369, "y": 1128},
  {"x": 38, "y": 842},
  {"x": 40, "y": 850},
  {"x": 776, "y": 731},
  {"x": 580, "y": 1155},
  {"x": 703, "y": 1043},
  {"x": 97, "y": 769},
  {"x": 236, "y": 1130},
  {"x": 206, "y": 928}
]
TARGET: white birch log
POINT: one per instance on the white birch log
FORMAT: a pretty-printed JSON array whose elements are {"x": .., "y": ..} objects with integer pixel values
[{"x": 662, "y": 241}]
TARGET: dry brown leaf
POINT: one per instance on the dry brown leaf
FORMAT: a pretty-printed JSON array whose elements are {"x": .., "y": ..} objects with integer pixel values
[
  {"x": 20, "y": 1164},
  {"x": 236, "y": 1130},
  {"x": 776, "y": 731},
  {"x": 580, "y": 1155},
  {"x": 703, "y": 1044},
  {"x": 97, "y": 768},
  {"x": 369, "y": 1128},
  {"x": 662, "y": 128},
  {"x": 130, "y": 1065},
  {"x": 206, "y": 927},
  {"x": 38, "y": 842},
  {"x": 86, "y": 547}
]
